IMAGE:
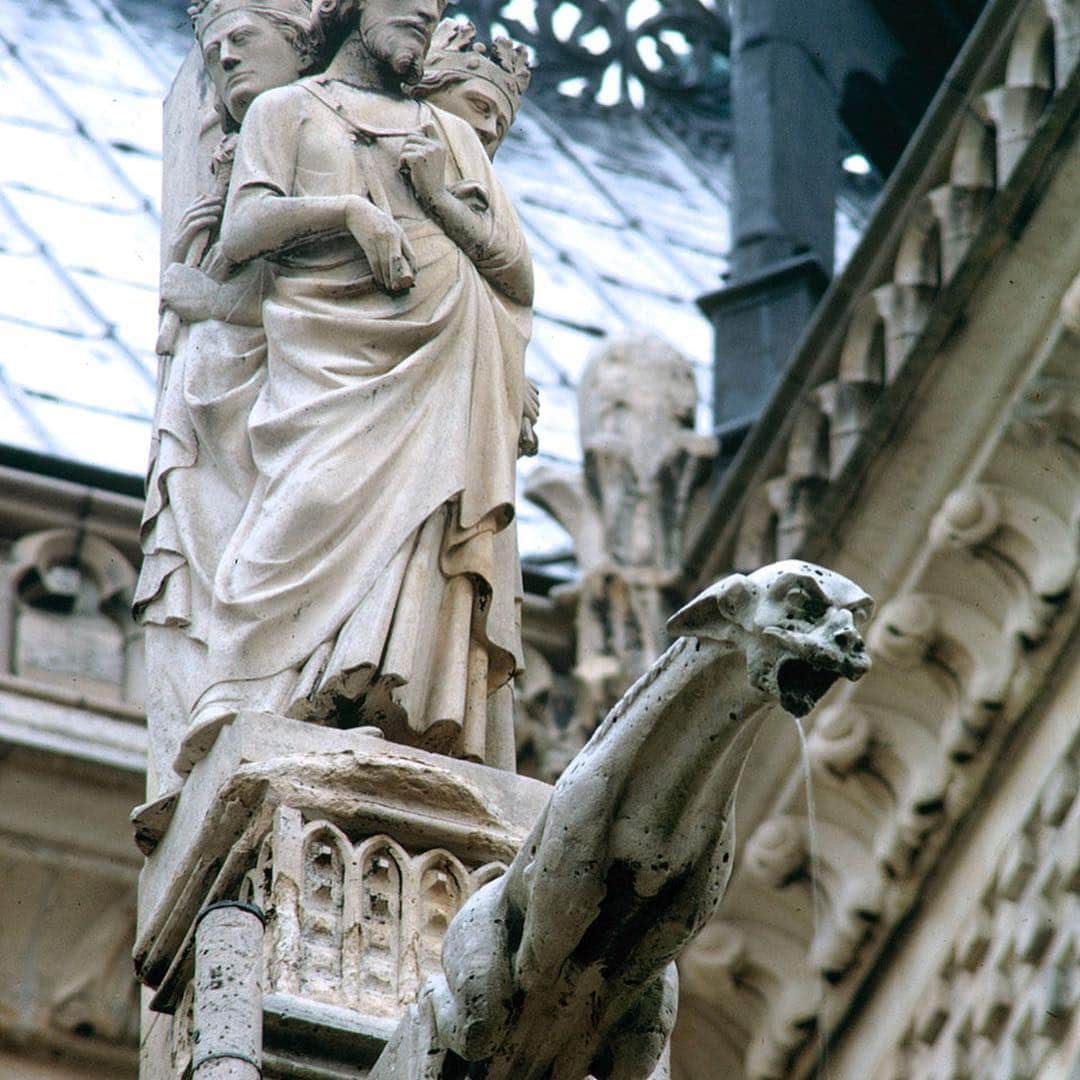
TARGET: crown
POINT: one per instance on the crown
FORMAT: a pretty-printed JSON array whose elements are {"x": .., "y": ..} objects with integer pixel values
[
  {"x": 504, "y": 64},
  {"x": 204, "y": 12}
]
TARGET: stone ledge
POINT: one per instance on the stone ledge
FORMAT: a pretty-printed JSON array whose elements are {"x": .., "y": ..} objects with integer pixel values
[
  {"x": 60, "y": 722},
  {"x": 334, "y": 1034},
  {"x": 362, "y": 785}
]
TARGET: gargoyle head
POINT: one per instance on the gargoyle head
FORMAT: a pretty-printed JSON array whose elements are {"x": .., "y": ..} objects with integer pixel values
[{"x": 797, "y": 624}]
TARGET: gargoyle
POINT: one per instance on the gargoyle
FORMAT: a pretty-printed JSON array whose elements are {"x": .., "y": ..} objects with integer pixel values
[{"x": 563, "y": 968}]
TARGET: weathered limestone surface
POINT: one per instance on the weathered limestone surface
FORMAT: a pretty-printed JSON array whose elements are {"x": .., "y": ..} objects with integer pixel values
[
  {"x": 359, "y": 851},
  {"x": 326, "y": 535},
  {"x": 955, "y": 499},
  {"x": 645, "y": 469},
  {"x": 1004, "y": 995},
  {"x": 332, "y": 595},
  {"x": 227, "y": 1033},
  {"x": 342, "y": 391},
  {"x": 373, "y": 861},
  {"x": 72, "y": 752},
  {"x": 562, "y": 966}
]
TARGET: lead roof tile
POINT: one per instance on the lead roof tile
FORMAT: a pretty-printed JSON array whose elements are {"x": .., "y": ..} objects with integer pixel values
[
  {"x": 34, "y": 294},
  {"x": 625, "y": 223}
]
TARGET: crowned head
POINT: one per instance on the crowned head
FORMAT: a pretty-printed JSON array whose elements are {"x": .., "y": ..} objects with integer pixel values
[
  {"x": 249, "y": 46},
  {"x": 482, "y": 84}
]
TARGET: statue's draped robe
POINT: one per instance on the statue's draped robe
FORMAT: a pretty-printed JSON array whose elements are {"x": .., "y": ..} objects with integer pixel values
[
  {"x": 375, "y": 562},
  {"x": 200, "y": 477}
]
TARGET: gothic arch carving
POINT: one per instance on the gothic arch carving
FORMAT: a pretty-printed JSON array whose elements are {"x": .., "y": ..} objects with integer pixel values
[
  {"x": 68, "y": 615},
  {"x": 959, "y": 647}
]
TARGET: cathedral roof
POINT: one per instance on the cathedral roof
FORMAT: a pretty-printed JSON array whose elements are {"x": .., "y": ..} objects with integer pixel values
[{"x": 625, "y": 211}]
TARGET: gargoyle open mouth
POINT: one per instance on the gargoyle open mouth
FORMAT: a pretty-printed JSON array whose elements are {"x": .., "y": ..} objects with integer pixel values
[{"x": 802, "y": 684}]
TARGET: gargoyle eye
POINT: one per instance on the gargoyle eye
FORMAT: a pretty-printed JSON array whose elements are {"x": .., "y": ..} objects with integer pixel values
[
  {"x": 861, "y": 615},
  {"x": 804, "y": 604}
]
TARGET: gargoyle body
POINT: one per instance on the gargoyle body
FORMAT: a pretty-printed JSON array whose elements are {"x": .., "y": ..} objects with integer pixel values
[{"x": 563, "y": 968}]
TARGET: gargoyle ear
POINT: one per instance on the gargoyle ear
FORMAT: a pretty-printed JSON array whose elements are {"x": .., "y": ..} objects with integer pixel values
[{"x": 731, "y": 600}]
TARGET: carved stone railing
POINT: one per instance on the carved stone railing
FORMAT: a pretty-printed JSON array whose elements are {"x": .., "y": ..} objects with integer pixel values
[{"x": 978, "y": 579}]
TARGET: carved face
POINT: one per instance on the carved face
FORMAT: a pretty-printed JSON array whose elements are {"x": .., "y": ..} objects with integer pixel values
[
  {"x": 480, "y": 105},
  {"x": 813, "y": 619},
  {"x": 398, "y": 32},
  {"x": 246, "y": 54},
  {"x": 798, "y": 624}
]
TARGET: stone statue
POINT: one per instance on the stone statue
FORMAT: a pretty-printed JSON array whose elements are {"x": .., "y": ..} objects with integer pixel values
[
  {"x": 563, "y": 967},
  {"x": 644, "y": 470},
  {"x": 330, "y": 539},
  {"x": 213, "y": 357},
  {"x": 213, "y": 346},
  {"x": 484, "y": 86},
  {"x": 372, "y": 578}
]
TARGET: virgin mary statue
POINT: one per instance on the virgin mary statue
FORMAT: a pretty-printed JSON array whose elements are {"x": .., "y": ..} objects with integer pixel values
[{"x": 373, "y": 578}]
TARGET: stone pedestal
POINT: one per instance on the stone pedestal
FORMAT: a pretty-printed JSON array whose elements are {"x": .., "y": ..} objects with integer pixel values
[{"x": 357, "y": 851}]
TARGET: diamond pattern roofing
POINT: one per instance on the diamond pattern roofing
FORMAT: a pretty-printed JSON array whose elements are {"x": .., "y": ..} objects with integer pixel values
[{"x": 626, "y": 225}]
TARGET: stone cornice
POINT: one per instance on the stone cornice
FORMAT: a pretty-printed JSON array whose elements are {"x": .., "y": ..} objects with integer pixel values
[
  {"x": 958, "y": 195},
  {"x": 30, "y": 502},
  {"x": 989, "y": 977},
  {"x": 950, "y": 487},
  {"x": 961, "y": 649},
  {"x": 66, "y": 723}
]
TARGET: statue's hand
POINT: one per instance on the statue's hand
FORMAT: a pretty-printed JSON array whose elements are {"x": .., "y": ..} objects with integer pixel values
[
  {"x": 531, "y": 409},
  {"x": 215, "y": 265},
  {"x": 202, "y": 215},
  {"x": 385, "y": 244},
  {"x": 423, "y": 161},
  {"x": 189, "y": 292},
  {"x": 528, "y": 443},
  {"x": 473, "y": 194}
]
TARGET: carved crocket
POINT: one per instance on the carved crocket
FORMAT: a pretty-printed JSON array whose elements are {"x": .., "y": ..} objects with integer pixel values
[{"x": 562, "y": 968}]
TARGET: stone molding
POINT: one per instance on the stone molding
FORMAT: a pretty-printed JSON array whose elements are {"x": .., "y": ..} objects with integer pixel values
[
  {"x": 354, "y": 928},
  {"x": 350, "y": 785},
  {"x": 964, "y": 181},
  {"x": 73, "y": 749},
  {"x": 977, "y": 576},
  {"x": 68, "y": 900},
  {"x": 1004, "y": 999},
  {"x": 358, "y": 924},
  {"x": 961, "y": 649},
  {"x": 31, "y": 502}
]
